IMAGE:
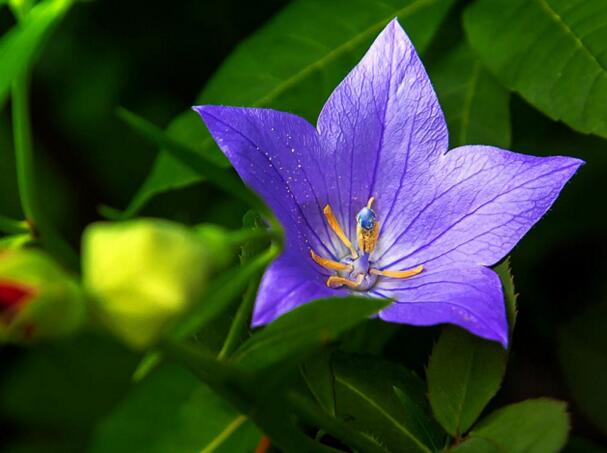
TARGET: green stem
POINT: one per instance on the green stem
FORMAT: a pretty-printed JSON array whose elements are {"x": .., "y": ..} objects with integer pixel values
[
  {"x": 224, "y": 289},
  {"x": 24, "y": 157},
  {"x": 26, "y": 177},
  {"x": 240, "y": 323},
  {"x": 11, "y": 226},
  {"x": 225, "y": 434}
]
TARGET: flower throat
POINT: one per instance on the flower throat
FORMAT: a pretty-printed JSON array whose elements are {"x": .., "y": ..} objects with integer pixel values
[{"x": 355, "y": 270}]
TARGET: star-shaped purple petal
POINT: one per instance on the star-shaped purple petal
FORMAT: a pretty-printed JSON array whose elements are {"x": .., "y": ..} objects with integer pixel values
[{"x": 381, "y": 142}]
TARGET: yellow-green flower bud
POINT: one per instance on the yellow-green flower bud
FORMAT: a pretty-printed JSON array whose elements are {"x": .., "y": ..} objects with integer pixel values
[
  {"x": 38, "y": 300},
  {"x": 143, "y": 274}
]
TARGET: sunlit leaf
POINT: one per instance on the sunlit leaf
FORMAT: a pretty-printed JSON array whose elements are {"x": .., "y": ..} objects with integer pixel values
[
  {"x": 292, "y": 64},
  {"x": 554, "y": 53},
  {"x": 476, "y": 106}
]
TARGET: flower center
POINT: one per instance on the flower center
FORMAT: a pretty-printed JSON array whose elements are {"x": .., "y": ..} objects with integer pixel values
[
  {"x": 358, "y": 266},
  {"x": 355, "y": 270}
]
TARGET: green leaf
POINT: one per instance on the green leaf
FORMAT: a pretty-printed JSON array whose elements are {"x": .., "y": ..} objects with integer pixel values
[
  {"x": 161, "y": 138},
  {"x": 318, "y": 374},
  {"x": 292, "y": 64},
  {"x": 263, "y": 401},
  {"x": 476, "y": 107},
  {"x": 504, "y": 271},
  {"x": 172, "y": 411},
  {"x": 532, "y": 426},
  {"x": 19, "y": 45},
  {"x": 297, "y": 332},
  {"x": 554, "y": 53},
  {"x": 583, "y": 357},
  {"x": 386, "y": 401},
  {"x": 464, "y": 373},
  {"x": 207, "y": 166}
]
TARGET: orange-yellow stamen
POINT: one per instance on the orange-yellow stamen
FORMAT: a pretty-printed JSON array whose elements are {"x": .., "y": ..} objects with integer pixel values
[
  {"x": 398, "y": 274},
  {"x": 335, "y": 281},
  {"x": 329, "y": 264},
  {"x": 336, "y": 227}
]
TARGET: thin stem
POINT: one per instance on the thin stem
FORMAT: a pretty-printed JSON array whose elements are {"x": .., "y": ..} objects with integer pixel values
[
  {"x": 26, "y": 177},
  {"x": 240, "y": 322},
  {"x": 12, "y": 226},
  {"x": 24, "y": 157},
  {"x": 225, "y": 434},
  {"x": 225, "y": 288},
  {"x": 203, "y": 363}
]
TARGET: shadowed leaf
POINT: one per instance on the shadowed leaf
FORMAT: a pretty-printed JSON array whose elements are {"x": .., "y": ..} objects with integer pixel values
[
  {"x": 172, "y": 411},
  {"x": 463, "y": 374},
  {"x": 304, "y": 328},
  {"x": 318, "y": 374},
  {"x": 385, "y": 401},
  {"x": 207, "y": 166},
  {"x": 532, "y": 426}
]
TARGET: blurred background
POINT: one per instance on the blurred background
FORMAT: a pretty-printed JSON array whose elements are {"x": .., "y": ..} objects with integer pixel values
[{"x": 153, "y": 59}]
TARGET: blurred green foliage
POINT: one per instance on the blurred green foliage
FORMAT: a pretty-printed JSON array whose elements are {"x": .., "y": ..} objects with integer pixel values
[{"x": 505, "y": 71}]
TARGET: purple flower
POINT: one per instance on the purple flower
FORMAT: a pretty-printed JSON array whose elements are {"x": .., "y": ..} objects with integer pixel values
[{"x": 373, "y": 202}]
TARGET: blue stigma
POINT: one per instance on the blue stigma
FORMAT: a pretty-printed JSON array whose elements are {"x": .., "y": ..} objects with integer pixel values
[{"x": 366, "y": 218}]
